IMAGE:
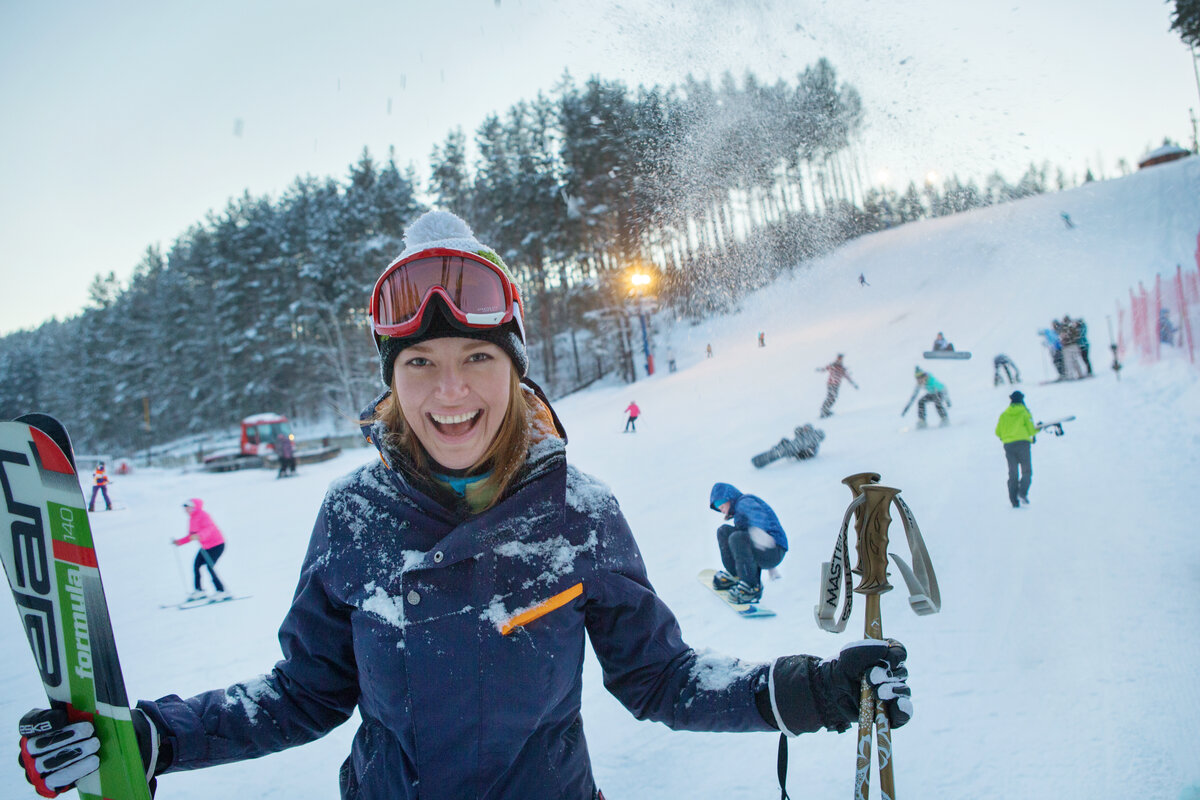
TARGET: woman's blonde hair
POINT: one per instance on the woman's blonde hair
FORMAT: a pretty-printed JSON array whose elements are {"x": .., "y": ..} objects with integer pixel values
[{"x": 504, "y": 457}]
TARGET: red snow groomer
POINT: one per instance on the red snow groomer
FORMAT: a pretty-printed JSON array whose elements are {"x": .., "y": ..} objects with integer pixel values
[
  {"x": 257, "y": 448},
  {"x": 258, "y": 441}
]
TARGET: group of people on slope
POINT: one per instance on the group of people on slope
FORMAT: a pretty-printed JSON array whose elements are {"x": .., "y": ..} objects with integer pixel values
[
  {"x": 472, "y": 504},
  {"x": 1067, "y": 341}
]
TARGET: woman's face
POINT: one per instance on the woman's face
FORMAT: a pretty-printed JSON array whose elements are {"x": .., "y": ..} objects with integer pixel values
[{"x": 454, "y": 394}]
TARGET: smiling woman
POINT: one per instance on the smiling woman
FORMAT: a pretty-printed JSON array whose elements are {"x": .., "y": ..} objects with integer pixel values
[{"x": 449, "y": 587}]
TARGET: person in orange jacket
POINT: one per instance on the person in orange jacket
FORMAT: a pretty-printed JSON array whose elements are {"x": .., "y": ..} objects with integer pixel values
[{"x": 100, "y": 484}]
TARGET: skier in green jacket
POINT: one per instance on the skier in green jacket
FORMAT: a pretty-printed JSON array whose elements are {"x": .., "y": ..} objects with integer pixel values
[{"x": 1016, "y": 430}]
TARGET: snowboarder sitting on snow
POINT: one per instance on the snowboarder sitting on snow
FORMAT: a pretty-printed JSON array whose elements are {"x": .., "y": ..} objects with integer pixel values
[
  {"x": 754, "y": 542},
  {"x": 1017, "y": 432},
  {"x": 203, "y": 530},
  {"x": 940, "y": 343},
  {"x": 451, "y": 586},
  {"x": 1010, "y": 370},
  {"x": 837, "y": 373},
  {"x": 808, "y": 440},
  {"x": 100, "y": 484},
  {"x": 935, "y": 392}
]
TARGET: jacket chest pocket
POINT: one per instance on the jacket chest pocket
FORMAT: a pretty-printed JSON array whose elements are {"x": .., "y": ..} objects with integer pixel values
[{"x": 538, "y": 640}]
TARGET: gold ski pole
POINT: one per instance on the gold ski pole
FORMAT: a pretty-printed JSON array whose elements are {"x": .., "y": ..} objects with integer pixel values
[
  {"x": 872, "y": 569},
  {"x": 871, "y": 509}
]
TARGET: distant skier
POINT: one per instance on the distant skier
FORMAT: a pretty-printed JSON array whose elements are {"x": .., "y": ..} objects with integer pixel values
[
  {"x": 286, "y": 450},
  {"x": 100, "y": 484},
  {"x": 1003, "y": 362},
  {"x": 1066, "y": 218},
  {"x": 670, "y": 359},
  {"x": 762, "y": 341},
  {"x": 754, "y": 542},
  {"x": 837, "y": 373},
  {"x": 1081, "y": 338},
  {"x": 634, "y": 412},
  {"x": 935, "y": 392},
  {"x": 708, "y": 352},
  {"x": 862, "y": 280},
  {"x": 1054, "y": 345},
  {"x": 1016, "y": 430},
  {"x": 940, "y": 343},
  {"x": 1166, "y": 328},
  {"x": 204, "y": 531}
]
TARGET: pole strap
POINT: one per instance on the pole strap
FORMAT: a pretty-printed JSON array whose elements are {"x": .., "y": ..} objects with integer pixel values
[
  {"x": 923, "y": 594},
  {"x": 835, "y": 579},
  {"x": 781, "y": 767}
]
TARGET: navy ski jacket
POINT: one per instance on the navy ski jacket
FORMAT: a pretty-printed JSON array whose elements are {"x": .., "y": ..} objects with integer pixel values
[
  {"x": 461, "y": 641},
  {"x": 748, "y": 511}
]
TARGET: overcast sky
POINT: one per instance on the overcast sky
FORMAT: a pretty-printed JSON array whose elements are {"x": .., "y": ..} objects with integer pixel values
[{"x": 124, "y": 123}]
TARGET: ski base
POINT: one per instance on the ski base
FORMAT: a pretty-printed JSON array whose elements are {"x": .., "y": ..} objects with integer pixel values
[{"x": 205, "y": 601}]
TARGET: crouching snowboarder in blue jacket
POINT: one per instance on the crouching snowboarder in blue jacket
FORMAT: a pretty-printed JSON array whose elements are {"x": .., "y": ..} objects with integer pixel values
[
  {"x": 449, "y": 585},
  {"x": 754, "y": 542}
]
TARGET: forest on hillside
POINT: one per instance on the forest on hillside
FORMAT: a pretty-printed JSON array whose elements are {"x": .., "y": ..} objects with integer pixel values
[{"x": 710, "y": 190}]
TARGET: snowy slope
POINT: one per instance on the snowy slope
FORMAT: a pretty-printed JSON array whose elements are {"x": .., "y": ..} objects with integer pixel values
[{"x": 1064, "y": 661}]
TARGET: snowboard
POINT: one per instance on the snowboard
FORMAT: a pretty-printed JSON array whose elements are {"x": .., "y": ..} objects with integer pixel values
[
  {"x": 1055, "y": 426},
  {"x": 953, "y": 354},
  {"x": 1065, "y": 380},
  {"x": 50, "y": 561},
  {"x": 741, "y": 609}
]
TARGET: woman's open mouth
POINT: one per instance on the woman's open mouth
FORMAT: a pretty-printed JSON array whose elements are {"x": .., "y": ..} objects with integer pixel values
[{"x": 455, "y": 424}]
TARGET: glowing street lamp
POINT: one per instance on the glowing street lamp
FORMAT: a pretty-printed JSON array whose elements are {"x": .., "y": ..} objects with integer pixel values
[{"x": 641, "y": 282}]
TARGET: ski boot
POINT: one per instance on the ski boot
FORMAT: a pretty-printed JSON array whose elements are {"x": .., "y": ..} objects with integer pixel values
[
  {"x": 743, "y": 592},
  {"x": 722, "y": 580}
]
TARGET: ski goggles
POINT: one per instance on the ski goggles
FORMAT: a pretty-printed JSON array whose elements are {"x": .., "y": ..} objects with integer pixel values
[{"x": 478, "y": 293}]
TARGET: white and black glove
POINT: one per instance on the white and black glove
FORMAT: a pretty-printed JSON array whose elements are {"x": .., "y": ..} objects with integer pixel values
[
  {"x": 56, "y": 753},
  {"x": 803, "y": 693}
]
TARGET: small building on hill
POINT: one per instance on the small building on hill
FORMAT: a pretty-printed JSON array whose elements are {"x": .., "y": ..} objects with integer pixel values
[{"x": 1161, "y": 155}]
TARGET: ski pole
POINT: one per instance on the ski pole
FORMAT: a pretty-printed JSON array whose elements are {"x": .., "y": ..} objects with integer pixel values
[
  {"x": 872, "y": 570},
  {"x": 871, "y": 511},
  {"x": 179, "y": 567},
  {"x": 212, "y": 568}
]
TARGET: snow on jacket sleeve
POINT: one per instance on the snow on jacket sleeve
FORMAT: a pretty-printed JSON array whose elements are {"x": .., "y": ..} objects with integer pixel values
[
  {"x": 647, "y": 666},
  {"x": 309, "y": 693}
]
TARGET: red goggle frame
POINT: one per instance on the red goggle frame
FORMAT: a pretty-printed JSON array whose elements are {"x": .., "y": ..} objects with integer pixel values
[{"x": 477, "y": 292}]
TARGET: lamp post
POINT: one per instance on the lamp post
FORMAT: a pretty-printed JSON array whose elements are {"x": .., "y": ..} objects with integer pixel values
[{"x": 640, "y": 281}]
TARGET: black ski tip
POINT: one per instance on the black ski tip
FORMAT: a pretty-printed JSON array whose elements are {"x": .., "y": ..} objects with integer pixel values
[{"x": 52, "y": 428}]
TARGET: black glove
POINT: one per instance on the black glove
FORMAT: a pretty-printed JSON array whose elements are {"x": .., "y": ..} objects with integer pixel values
[
  {"x": 803, "y": 693},
  {"x": 56, "y": 753}
]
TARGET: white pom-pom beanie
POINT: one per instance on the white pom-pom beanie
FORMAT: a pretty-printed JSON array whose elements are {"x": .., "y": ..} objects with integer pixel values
[{"x": 441, "y": 229}]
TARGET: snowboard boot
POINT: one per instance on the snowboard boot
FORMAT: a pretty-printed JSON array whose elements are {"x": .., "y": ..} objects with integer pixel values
[
  {"x": 722, "y": 580},
  {"x": 743, "y": 592}
]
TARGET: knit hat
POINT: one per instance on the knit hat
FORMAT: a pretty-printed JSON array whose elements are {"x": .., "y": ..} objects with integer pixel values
[
  {"x": 1017, "y": 397},
  {"x": 441, "y": 229}
]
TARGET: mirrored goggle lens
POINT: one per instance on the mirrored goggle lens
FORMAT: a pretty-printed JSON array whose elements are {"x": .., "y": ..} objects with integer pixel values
[{"x": 472, "y": 287}]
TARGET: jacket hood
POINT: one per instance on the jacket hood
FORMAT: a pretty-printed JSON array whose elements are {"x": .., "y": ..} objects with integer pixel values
[
  {"x": 196, "y": 504},
  {"x": 721, "y": 494}
]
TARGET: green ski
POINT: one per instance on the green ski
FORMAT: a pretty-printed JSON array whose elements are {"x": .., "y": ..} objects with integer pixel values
[{"x": 49, "y": 558}]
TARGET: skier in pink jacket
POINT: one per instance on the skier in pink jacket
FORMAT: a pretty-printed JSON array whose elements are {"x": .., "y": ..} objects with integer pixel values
[
  {"x": 203, "y": 530},
  {"x": 634, "y": 412}
]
